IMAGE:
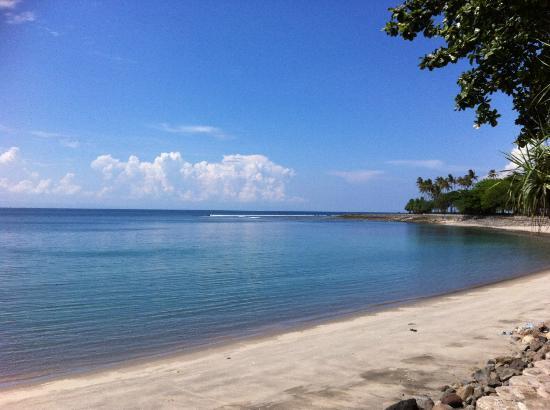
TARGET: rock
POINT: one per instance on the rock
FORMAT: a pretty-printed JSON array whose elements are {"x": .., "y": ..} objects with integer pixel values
[
  {"x": 444, "y": 387},
  {"x": 478, "y": 392},
  {"x": 481, "y": 375},
  {"x": 517, "y": 364},
  {"x": 495, "y": 403},
  {"x": 424, "y": 402},
  {"x": 493, "y": 380},
  {"x": 540, "y": 355},
  {"x": 536, "y": 345},
  {"x": 544, "y": 366},
  {"x": 505, "y": 373},
  {"x": 489, "y": 390},
  {"x": 517, "y": 393},
  {"x": 502, "y": 360},
  {"x": 409, "y": 404},
  {"x": 465, "y": 392},
  {"x": 452, "y": 399},
  {"x": 441, "y": 406},
  {"x": 527, "y": 339}
]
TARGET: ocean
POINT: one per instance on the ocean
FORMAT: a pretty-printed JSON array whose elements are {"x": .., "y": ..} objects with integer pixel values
[{"x": 84, "y": 289}]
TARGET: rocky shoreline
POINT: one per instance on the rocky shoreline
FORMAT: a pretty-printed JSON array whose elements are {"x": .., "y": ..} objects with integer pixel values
[
  {"x": 517, "y": 382},
  {"x": 503, "y": 222},
  {"x": 489, "y": 221}
]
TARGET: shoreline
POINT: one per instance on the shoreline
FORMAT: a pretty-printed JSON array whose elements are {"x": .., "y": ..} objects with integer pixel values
[
  {"x": 261, "y": 334},
  {"x": 510, "y": 223},
  {"x": 74, "y": 382}
]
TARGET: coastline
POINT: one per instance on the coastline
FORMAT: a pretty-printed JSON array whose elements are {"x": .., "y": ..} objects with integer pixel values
[
  {"x": 344, "y": 362},
  {"x": 506, "y": 223}
]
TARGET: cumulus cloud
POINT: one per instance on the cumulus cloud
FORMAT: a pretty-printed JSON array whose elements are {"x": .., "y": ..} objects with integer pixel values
[
  {"x": 241, "y": 178},
  {"x": 67, "y": 186},
  {"x": 30, "y": 182},
  {"x": 20, "y": 18},
  {"x": 357, "y": 176},
  {"x": 423, "y": 163},
  {"x": 9, "y": 156},
  {"x": 8, "y": 4},
  {"x": 206, "y": 130},
  {"x": 35, "y": 185},
  {"x": 26, "y": 186},
  {"x": 510, "y": 166}
]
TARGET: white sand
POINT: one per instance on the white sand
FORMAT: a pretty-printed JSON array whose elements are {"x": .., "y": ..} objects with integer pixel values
[{"x": 363, "y": 362}]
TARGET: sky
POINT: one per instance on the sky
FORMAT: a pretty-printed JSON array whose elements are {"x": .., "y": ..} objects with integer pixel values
[{"x": 252, "y": 105}]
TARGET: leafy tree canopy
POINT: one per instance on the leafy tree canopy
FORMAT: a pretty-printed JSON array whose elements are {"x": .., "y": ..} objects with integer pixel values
[{"x": 506, "y": 42}]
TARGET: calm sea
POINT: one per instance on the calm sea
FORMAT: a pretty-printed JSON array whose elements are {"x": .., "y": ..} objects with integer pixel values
[{"x": 86, "y": 288}]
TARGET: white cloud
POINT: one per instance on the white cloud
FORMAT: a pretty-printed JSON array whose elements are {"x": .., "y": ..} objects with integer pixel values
[
  {"x": 357, "y": 176},
  {"x": 9, "y": 156},
  {"x": 26, "y": 186},
  {"x": 207, "y": 130},
  {"x": 30, "y": 182},
  {"x": 67, "y": 186},
  {"x": 8, "y": 4},
  {"x": 422, "y": 163},
  {"x": 240, "y": 178},
  {"x": 510, "y": 166},
  {"x": 20, "y": 18},
  {"x": 33, "y": 184},
  {"x": 62, "y": 139}
]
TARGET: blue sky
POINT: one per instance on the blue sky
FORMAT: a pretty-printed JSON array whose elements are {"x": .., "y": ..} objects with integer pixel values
[{"x": 291, "y": 105}]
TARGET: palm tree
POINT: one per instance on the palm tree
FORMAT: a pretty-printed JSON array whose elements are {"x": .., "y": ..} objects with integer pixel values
[
  {"x": 420, "y": 184},
  {"x": 452, "y": 181},
  {"x": 492, "y": 174},
  {"x": 472, "y": 175},
  {"x": 443, "y": 184},
  {"x": 462, "y": 182}
]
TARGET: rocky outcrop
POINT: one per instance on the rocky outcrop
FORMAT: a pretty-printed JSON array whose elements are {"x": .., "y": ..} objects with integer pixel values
[{"x": 517, "y": 382}]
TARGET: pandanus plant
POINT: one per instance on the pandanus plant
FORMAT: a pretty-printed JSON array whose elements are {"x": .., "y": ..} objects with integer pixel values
[{"x": 531, "y": 180}]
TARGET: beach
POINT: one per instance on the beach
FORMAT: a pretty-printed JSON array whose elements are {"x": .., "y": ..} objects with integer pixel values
[
  {"x": 366, "y": 361},
  {"x": 498, "y": 222}
]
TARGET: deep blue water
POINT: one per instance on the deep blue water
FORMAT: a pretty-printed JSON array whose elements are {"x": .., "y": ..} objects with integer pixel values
[{"x": 86, "y": 288}]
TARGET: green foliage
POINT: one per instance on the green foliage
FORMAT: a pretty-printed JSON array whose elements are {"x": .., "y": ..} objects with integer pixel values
[
  {"x": 494, "y": 195},
  {"x": 506, "y": 44},
  {"x": 419, "y": 206},
  {"x": 469, "y": 203},
  {"x": 531, "y": 179},
  {"x": 486, "y": 197}
]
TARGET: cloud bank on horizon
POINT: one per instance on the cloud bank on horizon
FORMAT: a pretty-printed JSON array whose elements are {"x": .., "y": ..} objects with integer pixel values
[{"x": 236, "y": 178}]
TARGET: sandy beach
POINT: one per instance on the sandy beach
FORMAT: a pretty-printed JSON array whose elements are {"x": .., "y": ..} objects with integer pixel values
[{"x": 363, "y": 362}]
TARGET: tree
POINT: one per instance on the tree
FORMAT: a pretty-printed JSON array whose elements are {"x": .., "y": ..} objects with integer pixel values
[
  {"x": 531, "y": 180},
  {"x": 419, "y": 206},
  {"x": 494, "y": 195},
  {"x": 507, "y": 44},
  {"x": 492, "y": 174},
  {"x": 451, "y": 181}
]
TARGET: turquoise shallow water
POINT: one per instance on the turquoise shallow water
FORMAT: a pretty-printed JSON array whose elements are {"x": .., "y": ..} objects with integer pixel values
[{"x": 87, "y": 288}]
